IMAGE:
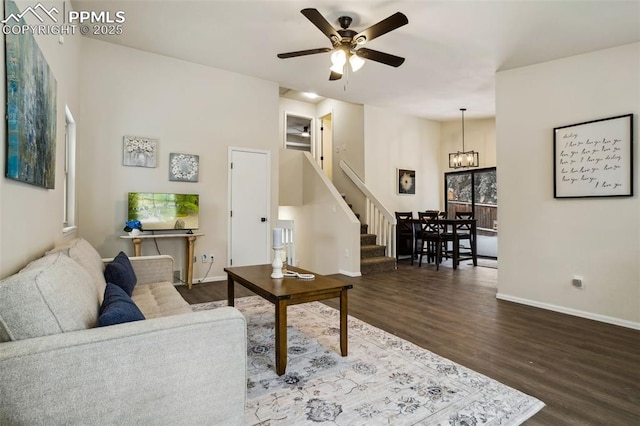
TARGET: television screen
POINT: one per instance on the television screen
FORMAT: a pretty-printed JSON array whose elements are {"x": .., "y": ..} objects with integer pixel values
[{"x": 160, "y": 211}]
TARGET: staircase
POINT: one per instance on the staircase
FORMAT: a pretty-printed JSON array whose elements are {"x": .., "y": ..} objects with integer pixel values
[{"x": 372, "y": 256}]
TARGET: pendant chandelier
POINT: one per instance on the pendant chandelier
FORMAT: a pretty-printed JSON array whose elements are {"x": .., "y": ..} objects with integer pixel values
[{"x": 463, "y": 159}]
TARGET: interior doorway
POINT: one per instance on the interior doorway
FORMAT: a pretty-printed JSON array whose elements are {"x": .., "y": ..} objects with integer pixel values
[{"x": 324, "y": 151}]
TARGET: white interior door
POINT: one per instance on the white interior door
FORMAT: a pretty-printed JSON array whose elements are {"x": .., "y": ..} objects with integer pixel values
[{"x": 249, "y": 178}]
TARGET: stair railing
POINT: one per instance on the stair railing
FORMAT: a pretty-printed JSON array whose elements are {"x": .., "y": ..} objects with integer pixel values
[
  {"x": 380, "y": 220},
  {"x": 288, "y": 240}
]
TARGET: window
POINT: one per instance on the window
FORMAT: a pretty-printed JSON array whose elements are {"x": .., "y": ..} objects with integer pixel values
[
  {"x": 69, "y": 204},
  {"x": 476, "y": 191}
]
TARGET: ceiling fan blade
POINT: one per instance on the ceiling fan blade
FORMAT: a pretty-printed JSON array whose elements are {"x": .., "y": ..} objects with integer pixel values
[
  {"x": 389, "y": 24},
  {"x": 323, "y": 25},
  {"x": 303, "y": 52},
  {"x": 383, "y": 58},
  {"x": 335, "y": 76}
]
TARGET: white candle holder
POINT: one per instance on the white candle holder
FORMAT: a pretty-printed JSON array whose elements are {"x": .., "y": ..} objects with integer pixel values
[{"x": 277, "y": 263}]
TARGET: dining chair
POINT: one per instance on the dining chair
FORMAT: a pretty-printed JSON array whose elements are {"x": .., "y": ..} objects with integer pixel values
[
  {"x": 434, "y": 238},
  {"x": 464, "y": 233},
  {"x": 404, "y": 235}
]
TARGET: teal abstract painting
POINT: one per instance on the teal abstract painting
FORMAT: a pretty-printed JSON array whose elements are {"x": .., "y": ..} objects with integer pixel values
[{"x": 31, "y": 110}]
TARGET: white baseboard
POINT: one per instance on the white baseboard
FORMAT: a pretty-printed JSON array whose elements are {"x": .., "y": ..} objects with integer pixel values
[
  {"x": 210, "y": 279},
  {"x": 349, "y": 274},
  {"x": 570, "y": 311}
]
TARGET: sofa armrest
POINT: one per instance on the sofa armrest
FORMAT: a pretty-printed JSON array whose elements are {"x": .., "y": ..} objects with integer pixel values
[
  {"x": 151, "y": 269},
  {"x": 182, "y": 369}
]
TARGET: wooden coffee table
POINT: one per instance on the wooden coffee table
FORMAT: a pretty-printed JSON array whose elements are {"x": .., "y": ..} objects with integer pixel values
[{"x": 289, "y": 291}]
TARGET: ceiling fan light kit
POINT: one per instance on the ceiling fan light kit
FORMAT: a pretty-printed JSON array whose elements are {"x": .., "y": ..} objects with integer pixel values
[
  {"x": 356, "y": 62},
  {"x": 347, "y": 42}
]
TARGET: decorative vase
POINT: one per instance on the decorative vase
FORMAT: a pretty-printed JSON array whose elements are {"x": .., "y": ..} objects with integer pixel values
[
  {"x": 134, "y": 232},
  {"x": 277, "y": 263}
]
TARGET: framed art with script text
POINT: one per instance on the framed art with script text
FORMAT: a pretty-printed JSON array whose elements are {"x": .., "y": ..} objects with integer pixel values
[{"x": 594, "y": 159}]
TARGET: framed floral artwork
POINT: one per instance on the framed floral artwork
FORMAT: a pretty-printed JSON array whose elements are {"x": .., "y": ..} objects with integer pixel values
[
  {"x": 183, "y": 167},
  {"x": 406, "y": 181},
  {"x": 140, "y": 152}
]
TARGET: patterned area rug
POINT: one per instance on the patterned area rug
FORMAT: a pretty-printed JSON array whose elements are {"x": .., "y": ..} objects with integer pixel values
[{"x": 384, "y": 379}]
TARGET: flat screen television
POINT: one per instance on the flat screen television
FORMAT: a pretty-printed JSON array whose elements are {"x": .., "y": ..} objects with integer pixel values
[{"x": 164, "y": 211}]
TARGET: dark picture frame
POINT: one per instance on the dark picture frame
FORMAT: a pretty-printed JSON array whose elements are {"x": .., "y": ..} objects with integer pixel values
[
  {"x": 31, "y": 91},
  {"x": 594, "y": 158},
  {"x": 406, "y": 181}
]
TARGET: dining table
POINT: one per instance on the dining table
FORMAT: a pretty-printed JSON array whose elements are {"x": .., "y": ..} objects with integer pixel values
[{"x": 455, "y": 227}]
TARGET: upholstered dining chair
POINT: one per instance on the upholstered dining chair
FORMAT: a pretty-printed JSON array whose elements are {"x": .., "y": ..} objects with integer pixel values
[{"x": 404, "y": 235}]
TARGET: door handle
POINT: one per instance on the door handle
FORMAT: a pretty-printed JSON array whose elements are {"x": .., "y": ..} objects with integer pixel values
[{"x": 263, "y": 219}]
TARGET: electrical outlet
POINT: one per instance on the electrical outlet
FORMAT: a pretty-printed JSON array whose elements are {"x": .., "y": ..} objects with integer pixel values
[
  {"x": 577, "y": 281},
  {"x": 212, "y": 258},
  {"x": 208, "y": 258}
]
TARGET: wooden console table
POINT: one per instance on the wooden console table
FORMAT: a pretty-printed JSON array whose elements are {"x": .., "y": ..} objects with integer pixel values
[{"x": 190, "y": 238}]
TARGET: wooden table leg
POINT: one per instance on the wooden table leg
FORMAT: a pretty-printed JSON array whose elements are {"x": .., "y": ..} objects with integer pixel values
[
  {"x": 137, "y": 246},
  {"x": 343, "y": 323},
  {"x": 474, "y": 247},
  {"x": 189, "y": 265},
  {"x": 456, "y": 248},
  {"x": 230, "y": 291},
  {"x": 281, "y": 337}
]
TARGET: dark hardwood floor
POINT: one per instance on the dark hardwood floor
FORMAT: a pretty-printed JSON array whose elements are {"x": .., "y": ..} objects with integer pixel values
[{"x": 586, "y": 372}]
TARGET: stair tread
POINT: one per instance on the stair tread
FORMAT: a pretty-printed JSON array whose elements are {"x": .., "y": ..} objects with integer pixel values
[
  {"x": 378, "y": 259},
  {"x": 370, "y": 246}
]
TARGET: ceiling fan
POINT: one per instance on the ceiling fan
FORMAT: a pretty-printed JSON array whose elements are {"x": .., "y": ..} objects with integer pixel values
[
  {"x": 303, "y": 133},
  {"x": 346, "y": 42}
]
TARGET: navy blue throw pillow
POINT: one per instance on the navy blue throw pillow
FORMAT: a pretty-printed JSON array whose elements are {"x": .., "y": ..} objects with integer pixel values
[
  {"x": 120, "y": 272},
  {"x": 117, "y": 307}
]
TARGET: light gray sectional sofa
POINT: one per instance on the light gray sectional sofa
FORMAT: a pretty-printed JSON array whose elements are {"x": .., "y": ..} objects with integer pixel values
[{"x": 56, "y": 367}]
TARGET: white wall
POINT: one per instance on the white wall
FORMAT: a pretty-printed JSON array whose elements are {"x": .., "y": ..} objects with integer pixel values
[
  {"x": 394, "y": 140},
  {"x": 291, "y": 160},
  {"x": 31, "y": 217},
  {"x": 348, "y": 145},
  {"x": 327, "y": 234},
  {"x": 191, "y": 109},
  {"x": 545, "y": 241}
]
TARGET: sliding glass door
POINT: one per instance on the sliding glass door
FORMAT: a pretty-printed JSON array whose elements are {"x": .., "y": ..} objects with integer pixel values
[{"x": 476, "y": 191}]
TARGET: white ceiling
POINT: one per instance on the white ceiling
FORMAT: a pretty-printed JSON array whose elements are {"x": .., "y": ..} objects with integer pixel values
[{"x": 452, "y": 48}]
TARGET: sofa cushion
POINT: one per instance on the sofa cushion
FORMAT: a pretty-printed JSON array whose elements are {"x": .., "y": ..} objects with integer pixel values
[
  {"x": 120, "y": 272},
  {"x": 159, "y": 300},
  {"x": 88, "y": 257},
  {"x": 117, "y": 307},
  {"x": 51, "y": 295}
]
